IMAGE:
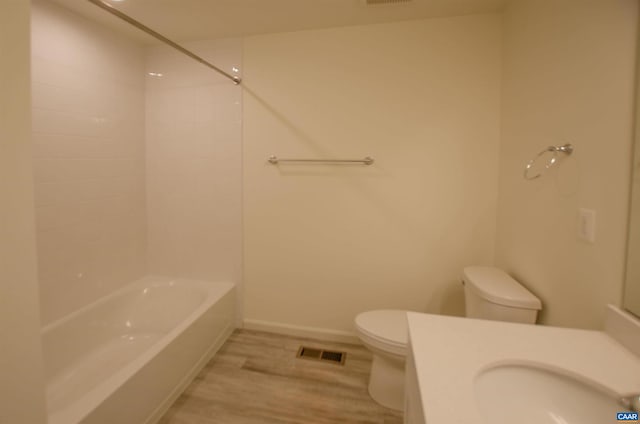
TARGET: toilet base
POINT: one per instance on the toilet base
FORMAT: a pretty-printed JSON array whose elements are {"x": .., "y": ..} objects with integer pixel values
[{"x": 386, "y": 382}]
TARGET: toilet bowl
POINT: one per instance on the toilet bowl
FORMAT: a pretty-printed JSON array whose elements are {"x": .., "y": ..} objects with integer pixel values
[
  {"x": 490, "y": 293},
  {"x": 384, "y": 332}
]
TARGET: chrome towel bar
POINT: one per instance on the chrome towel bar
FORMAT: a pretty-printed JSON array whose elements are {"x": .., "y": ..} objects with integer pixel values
[{"x": 274, "y": 160}]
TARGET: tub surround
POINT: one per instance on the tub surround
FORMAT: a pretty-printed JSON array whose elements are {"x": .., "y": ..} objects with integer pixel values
[
  {"x": 193, "y": 160},
  {"x": 447, "y": 353},
  {"x": 88, "y": 159},
  {"x": 118, "y": 153},
  {"x": 128, "y": 356}
]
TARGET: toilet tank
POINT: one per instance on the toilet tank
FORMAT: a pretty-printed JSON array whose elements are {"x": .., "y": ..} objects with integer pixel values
[{"x": 490, "y": 293}]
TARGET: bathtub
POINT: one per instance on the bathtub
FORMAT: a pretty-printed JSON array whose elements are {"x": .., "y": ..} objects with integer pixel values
[{"x": 125, "y": 358}]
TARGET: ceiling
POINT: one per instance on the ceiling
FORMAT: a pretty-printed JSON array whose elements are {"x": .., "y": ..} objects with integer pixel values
[{"x": 183, "y": 20}]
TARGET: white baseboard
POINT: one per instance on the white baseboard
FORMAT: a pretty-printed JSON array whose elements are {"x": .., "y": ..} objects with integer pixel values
[{"x": 302, "y": 331}]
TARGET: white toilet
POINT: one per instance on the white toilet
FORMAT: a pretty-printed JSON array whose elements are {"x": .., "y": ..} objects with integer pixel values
[{"x": 489, "y": 292}]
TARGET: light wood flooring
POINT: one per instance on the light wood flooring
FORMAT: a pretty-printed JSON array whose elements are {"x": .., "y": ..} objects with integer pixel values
[{"x": 255, "y": 378}]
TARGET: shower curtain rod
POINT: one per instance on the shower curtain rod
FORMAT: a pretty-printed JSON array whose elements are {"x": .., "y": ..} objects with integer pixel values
[{"x": 109, "y": 8}]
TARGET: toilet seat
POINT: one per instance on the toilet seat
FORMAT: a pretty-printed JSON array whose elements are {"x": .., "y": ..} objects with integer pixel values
[{"x": 385, "y": 329}]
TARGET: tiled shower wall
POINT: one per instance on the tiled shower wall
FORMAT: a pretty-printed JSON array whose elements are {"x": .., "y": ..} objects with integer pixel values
[
  {"x": 134, "y": 174},
  {"x": 194, "y": 156},
  {"x": 88, "y": 134}
]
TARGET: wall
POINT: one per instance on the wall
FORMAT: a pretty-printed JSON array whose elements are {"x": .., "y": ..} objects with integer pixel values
[
  {"x": 194, "y": 163},
  {"x": 568, "y": 77},
  {"x": 632, "y": 271},
  {"x": 88, "y": 133},
  {"x": 323, "y": 243},
  {"x": 21, "y": 386}
]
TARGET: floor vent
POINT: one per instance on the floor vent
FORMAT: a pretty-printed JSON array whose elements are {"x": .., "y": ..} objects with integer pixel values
[
  {"x": 385, "y": 2},
  {"x": 322, "y": 355}
]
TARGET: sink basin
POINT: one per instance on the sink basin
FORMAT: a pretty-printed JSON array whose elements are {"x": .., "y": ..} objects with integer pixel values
[{"x": 535, "y": 394}]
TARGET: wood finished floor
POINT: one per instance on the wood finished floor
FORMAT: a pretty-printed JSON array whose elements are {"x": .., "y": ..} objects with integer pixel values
[{"x": 255, "y": 378}]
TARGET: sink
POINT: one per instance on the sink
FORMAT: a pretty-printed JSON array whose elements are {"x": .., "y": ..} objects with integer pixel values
[
  {"x": 537, "y": 394},
  {"x": 474, "y": 371}
]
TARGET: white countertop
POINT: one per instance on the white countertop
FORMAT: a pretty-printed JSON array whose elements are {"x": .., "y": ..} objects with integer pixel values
[{"x": 449, "y": 352}]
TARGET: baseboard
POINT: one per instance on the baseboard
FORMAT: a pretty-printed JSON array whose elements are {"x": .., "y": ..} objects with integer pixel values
[{"x": 302, "y": 331}]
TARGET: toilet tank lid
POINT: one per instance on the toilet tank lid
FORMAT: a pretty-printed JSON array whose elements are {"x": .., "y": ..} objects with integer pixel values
[{"x": 496, "y": 286}]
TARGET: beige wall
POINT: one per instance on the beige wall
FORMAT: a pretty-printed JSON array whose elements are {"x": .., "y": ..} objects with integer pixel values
[
  {"x": 88, "y": 133},
  {"x": 632, "y": 274},
  {"x": 323, "y": 243},
  {"x": 568, "y": 77},
  {"x": 21, "y": 385},
  {"x": 194, "y": 163}
]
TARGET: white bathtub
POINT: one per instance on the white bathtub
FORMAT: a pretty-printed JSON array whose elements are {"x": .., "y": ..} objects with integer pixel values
[{"x": 126, "y": 358}]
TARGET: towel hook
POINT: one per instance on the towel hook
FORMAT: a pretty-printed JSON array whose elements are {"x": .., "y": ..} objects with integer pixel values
[{"x": 567, "y": 149}]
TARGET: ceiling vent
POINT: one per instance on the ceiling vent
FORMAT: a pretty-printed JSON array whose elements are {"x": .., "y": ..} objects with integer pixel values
[{"x": 383, "y": 2}]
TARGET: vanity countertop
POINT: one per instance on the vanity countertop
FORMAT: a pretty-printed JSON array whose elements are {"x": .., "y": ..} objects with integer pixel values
[{"x": 449, "y": 352}]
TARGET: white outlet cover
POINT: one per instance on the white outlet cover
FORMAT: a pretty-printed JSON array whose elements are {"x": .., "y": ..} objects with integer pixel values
[{"x": 587, "y": 225}]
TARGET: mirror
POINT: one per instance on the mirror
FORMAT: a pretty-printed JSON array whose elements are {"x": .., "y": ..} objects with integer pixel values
[{"x": 632, "y": 275}]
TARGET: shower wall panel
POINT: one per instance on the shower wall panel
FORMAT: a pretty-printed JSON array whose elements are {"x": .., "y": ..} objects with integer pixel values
[
  {"x": 88, "y": 136},
  {"x": 194, "y": 156}
]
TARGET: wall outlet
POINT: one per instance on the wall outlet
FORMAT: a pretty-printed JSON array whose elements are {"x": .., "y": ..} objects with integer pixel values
[{"x": 587, "y": 225}]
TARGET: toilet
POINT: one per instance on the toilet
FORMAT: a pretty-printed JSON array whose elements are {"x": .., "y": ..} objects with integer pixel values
[{"x": 490, "y": 293}]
